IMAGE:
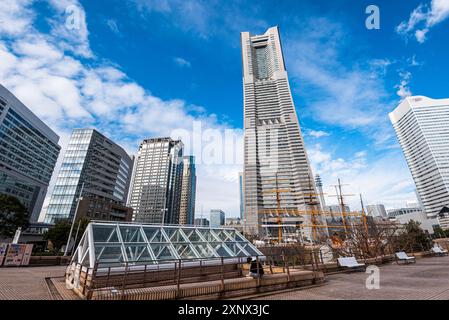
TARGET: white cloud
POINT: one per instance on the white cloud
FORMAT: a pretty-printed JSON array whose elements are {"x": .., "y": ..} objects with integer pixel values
[
  {"x": 113, "y": 26},
  {"x": 423, "y": 18},
  {"x": 403, "y": 88},
  {"x": 338, "y": 94},
  {"x": 317, "y": 133},
  {"x": 379, "y": 67},
  {"x": 69, "y": 27},
  {"x": 181, "y": 62},
  {"x": 413, "y": 62},
  {"x": 203, "y": 18},
  {"x": 15, "y": 17},
  {"x": 385, "y": 180}
]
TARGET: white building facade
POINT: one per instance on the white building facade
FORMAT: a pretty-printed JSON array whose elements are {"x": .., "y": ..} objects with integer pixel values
[{"x": 422, "y": 128}]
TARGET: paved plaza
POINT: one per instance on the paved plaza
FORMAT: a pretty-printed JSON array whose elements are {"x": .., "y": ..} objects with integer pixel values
[
  {"x": 27, "y": 283},
  {"x": 427, "y": 279}
]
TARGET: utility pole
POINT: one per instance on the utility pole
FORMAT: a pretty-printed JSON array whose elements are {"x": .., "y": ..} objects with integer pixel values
[{"x": 73, "y": 221}]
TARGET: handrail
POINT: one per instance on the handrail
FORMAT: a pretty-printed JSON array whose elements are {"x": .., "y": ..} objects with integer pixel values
[{"x": 125, "y": 279}]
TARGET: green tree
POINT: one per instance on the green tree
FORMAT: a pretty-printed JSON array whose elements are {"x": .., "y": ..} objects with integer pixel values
[
  {"x": 58, "y": 234},
  {"x": 13, "y": 215},
  {"x": 414, "y": 237},
  {"x": 439, "y": 232}
]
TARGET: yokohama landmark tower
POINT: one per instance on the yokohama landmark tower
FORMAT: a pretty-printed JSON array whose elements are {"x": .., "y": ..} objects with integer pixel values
[{"x": 277, "y": 173}]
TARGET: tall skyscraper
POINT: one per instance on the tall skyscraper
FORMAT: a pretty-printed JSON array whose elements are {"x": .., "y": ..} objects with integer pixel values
[
  {"x": 95, "y": 164},
  {"x": 422, "y": 128},
  {"x": 217, "y": 218},
  {"x": 157, "y": 178},
  {"x": 188, "y": 191},
  {"x": 275, "y": 157},
  {"x": 28, "y": 153}
]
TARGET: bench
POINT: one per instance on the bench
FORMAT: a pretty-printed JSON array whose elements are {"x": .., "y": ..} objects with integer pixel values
[
  {"x": 350, "y": 263},
  {"x": 402, "y": 256},
  {"x": 436, "y": 250}
]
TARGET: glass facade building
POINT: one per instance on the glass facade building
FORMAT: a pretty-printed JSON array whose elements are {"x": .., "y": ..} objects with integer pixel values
[
  {"x": 28, "y": 153},
  {"x": 188, "y": 192},
  {"x": 422, "y": 128},
  {"x": 217, "y": 218},
  {"x": 95, "y": 164},
  {"x": 156, "y": 185}
]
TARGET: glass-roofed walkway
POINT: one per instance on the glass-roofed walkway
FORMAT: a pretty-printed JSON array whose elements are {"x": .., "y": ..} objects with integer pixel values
[{"x": 106, "y": 244}]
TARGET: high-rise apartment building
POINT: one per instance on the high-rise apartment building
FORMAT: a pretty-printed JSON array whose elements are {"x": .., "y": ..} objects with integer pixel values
[
  {"x": 93, "y": 167},
  {"x": 188, "y": 191},
  {"x": 422, "y": 128},
  {"x": 274, "y": 152},
  {"x": 28, "y": 153},
  {"x": 156, "y": 186},
  {"x": 217, "y": 218}
]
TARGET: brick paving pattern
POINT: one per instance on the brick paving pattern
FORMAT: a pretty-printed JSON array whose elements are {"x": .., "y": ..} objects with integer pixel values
[
  {"x": 27, "y": 283},
  {"x": 428, "y": 279}
]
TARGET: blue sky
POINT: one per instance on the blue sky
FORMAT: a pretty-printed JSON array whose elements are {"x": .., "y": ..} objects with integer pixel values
[{"x": 141, "y": 68}]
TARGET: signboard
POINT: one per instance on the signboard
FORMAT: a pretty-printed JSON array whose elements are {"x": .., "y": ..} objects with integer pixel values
[
  {"x": 27, "y": 254},
  {"x": 3, "y": 249},
  {"x": 14, "y": 255}
]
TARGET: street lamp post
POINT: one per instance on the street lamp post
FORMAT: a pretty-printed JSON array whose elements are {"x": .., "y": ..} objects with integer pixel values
[{"x": 73, "y": 221}]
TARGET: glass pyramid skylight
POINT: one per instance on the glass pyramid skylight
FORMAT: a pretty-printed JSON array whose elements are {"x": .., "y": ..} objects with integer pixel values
[{"x": 113, "y": 244}]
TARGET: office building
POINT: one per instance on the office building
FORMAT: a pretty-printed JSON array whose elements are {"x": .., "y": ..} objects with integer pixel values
[
  {"x": 28, "y": 153},
  {"x": 93, "y": 167},
  {"x": 274, "y": 152},
  {"x": 376, "y": 210},
  {"x": 405, "y": 215},
  {"x": 401, "y": 211},
  {"x": 422, "y": 128},
  {"x": 188, "y": 191},
  {"x": 156, "y": 186},
  {"x": 99, "y": 208},
  {"x": 201, "y": 222},
  {"x": 217, "y": 218}
]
